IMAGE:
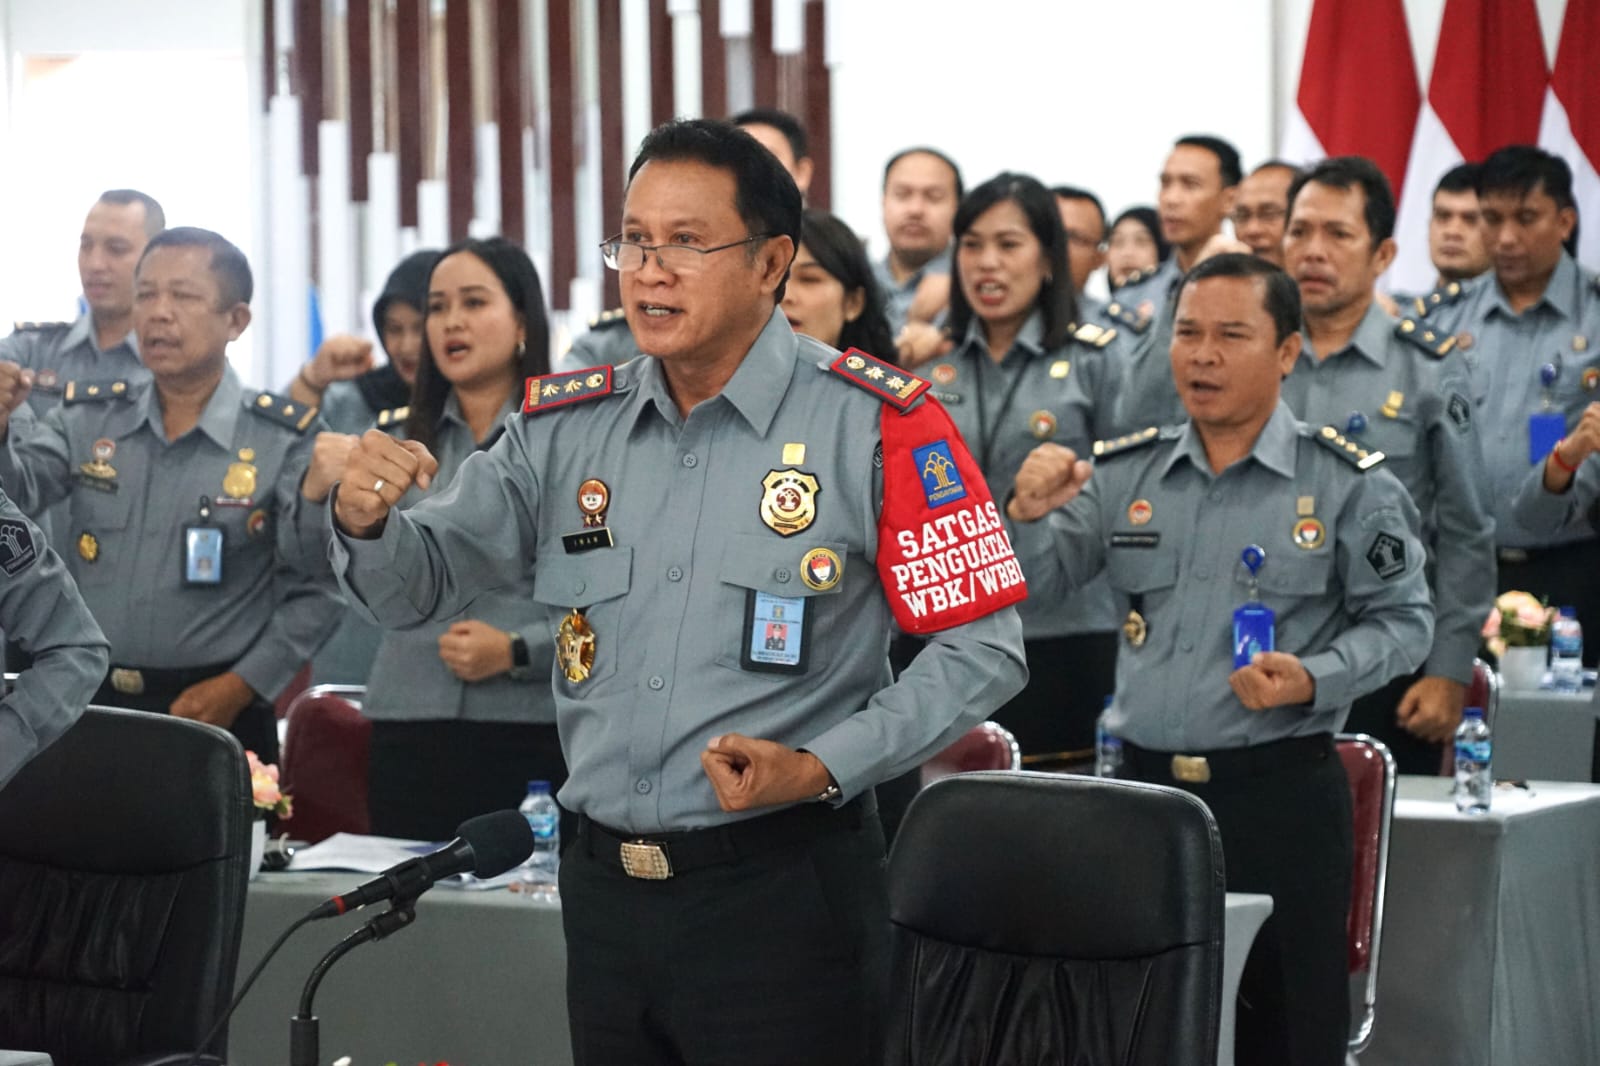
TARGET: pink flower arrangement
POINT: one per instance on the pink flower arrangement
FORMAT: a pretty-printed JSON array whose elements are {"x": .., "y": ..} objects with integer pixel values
[
  {"x": 269, "y": 798},
  {"x": 1518, "y": 620}
]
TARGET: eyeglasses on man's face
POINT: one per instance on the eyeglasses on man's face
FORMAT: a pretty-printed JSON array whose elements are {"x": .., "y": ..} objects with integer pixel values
[{"x": 627, "y": 256}]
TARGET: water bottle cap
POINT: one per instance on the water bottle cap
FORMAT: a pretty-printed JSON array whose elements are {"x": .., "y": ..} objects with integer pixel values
[
  {"x": 1569, "y": 612},
  {"x": 538, "y": 786},
  {"x": 1106, "y": 705},
  {"x": 1473, "y": 712}
]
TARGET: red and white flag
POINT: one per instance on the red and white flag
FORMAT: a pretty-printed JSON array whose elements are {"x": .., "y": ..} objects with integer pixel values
[
  {"x": 1358, "y": 92},
  {"x": 1571, "y": 123},
  {"x": 1487, "y": 90}
]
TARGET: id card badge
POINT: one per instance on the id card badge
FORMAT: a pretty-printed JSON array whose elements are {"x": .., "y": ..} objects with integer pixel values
[
  {"x": 1545, "y": 430},
  {"x": 777, "y": 634},
  {"x": 202, "y": 549},
  {"x": 1253, "y": 627}
]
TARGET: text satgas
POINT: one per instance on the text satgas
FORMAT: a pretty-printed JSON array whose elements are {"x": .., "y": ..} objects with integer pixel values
[{"x": 953, "y": 559}]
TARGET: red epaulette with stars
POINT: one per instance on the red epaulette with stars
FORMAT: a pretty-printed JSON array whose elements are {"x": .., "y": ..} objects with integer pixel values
[
  {"x": 558, "y": 390},
  {"x": 886, "y": 381}
]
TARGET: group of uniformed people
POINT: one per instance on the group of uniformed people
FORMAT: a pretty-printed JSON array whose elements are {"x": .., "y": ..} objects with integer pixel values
[{"x": 671, "y": 576}]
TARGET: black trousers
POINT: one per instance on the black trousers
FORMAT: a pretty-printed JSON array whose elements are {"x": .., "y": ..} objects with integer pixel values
[
  {"x": 1374, "y": 714},
  {"x": 1569, "y": 576},
  {"x": 1287, "y": 833},
  {"x": 256, "y": 727},
  {"x": 778, "y": 958},
  {"x": 425, "y": 778}
]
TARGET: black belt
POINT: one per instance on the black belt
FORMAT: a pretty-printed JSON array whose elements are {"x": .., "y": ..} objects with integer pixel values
[
  {"x": 158, "y": 681},
  {"x": 1518, "y": 556},
  {"x": 1199, "y": 767},
  {"x": 658, "y": 856}
]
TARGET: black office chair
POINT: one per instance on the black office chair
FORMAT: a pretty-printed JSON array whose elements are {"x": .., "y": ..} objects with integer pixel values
[
  {"x": 1055, "y": 918},
  {"x": 124, "y": 850}
]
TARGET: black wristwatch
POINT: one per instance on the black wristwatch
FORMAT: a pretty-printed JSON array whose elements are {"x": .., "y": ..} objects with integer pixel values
[{"x": 519, "y": 652}]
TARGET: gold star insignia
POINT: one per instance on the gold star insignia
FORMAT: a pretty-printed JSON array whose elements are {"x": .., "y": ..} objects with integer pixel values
[
  {"x": 896, "y": 382},
  {"x": 875, "y": 373},
  {"x": 550, "y": 390},
  {"x": 574, "y": 385}
]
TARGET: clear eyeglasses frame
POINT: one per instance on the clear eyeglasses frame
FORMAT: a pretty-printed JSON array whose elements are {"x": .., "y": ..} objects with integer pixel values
[{"x": 627, "y": 256}]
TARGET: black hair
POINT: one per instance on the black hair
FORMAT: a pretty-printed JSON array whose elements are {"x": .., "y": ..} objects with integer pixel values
[
  {"x": 1279, "y": 164},
  {"x": 1147, "y": 217},
  {"x": 1056, "y": 298},
  {"x": 520, "y": 279},
  {"x": 765, "y": 195},
  {"x": 235, "y": 284},
  {"x": 1228, "y": 164},
  {"x": 1282, "y": 295},
  {"x": 155, "y": 219},
  {"x": 961, "y": 189},
  {"x": 1522, "y": 169},
  {"x": 838, "y": 250},
  {"x": 1462, "y": 177},
  {"x": 1348, "y": 172},
  {"x": 407, "y": 284},
  {"x": 1072, "y": 192},
  {"x": 782, "y": 121}
]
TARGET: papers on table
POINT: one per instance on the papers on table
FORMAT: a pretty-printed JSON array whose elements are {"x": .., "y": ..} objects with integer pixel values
[{"x": 373, "y": 855}]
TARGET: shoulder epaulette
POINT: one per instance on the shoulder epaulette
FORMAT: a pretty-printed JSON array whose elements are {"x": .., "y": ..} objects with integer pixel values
[
  {"x": 608, "y": 319},
  {"x": 1135, "y": 320},
  {"x": 93, "y": 391},
  {"x": 393, "y": 417},
  {"x": 558, "y": 390},
  {"x": 1091, "y": 334},
  {"x": 1348, "y": 450},
  {"x": 1443, "y": 296},
  {"x": 1435, "y": 343},
  {"x": 39, "y": 327},
  {"x": 886, "y": 381},
  {"x": 283, "y": 410},
  {"x": 1105, "y": 449}
]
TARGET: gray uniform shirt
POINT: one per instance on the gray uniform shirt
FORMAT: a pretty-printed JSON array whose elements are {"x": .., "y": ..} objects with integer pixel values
[
  {"x": 1553, "y": 514},
  {"x": 1144, "y": 310},
  {"x": 609, "y": 342},
  {"x": 1389, "y": 393},
  {"x": 667, "y": 603},
  {"x": 1006, "y": 409},
  {"x": 1503, "y": 351},
  {"x": 899, "y": 295},
  {"x": 409, "y": 681},
  {"x": 41, "y": 609},
  {"x": 276, "y": 601},
  {"x": 1352, "y": 604}
]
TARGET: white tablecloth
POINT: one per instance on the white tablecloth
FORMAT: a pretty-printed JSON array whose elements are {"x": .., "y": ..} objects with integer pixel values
[{"x": 1545, "y": 735}]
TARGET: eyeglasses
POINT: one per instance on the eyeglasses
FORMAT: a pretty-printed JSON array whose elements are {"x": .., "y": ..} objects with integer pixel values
[
  {"x": 1083, "y": 240},
  {"x": 1242, "y": 216},
  {"x": 627, "y": 256}
]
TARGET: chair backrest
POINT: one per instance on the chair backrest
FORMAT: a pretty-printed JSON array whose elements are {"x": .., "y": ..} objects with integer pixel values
[
  {"x": 986, "y": 746},
  {"x": 325, "y": 763},
  {"x": 1370, "y": 767},
  {"x": 124, "y": 853},
  {"x": 1049, "y": 911}
]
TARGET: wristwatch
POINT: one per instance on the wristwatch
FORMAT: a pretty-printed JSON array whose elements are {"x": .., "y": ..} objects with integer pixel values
[
  {"x": 519, "y": 652},
  {"x": 829, "y": 794}
]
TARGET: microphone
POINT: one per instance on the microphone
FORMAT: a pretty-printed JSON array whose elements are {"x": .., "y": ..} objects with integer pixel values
[{"x": 487, "y": 845}]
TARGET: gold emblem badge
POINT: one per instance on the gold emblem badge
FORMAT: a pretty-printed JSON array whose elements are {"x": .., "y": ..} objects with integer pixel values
[
  {"x": 1134, "y": 629},
  {"x": 855, "y": 362},
  {"x": 575, "y": 647},
  {"x": 1309, "y": 533},
  {"x": 944, "y": 373},
  {"x": 239, "y": 482},
  {"x": 1140, "y": 512},
  {"x": 820, "y": 569},
  {"x": 1043, "y": 424},
  {"x": 88, "y": 547},
  {"x": 1392, "y": 403},
  {"x": 1580, "y": 343},
  {"x": 593, "y": 499},
  {"x": 789, "y": 502},
  {"x": 100, "y": 467},
  {"x": 1060, "y": 368}
]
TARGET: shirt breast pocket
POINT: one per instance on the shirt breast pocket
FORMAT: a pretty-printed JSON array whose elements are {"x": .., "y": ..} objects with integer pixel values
[
  {"x": 597, "y": 584},
  {"x": 99, "y": 533},
  {"x": 1295, "y": 575},
  {"x": 1135, "y": 571},
  {"x": 776, "y": 609}
]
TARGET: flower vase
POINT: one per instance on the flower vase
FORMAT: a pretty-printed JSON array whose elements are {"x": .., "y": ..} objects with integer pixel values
[
  {"x": 258, "y": 846},
  {"x": 1522, "y": 668}
]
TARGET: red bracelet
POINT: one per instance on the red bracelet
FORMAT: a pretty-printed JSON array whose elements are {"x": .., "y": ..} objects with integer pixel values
[{"x": 1555, "y": 453}]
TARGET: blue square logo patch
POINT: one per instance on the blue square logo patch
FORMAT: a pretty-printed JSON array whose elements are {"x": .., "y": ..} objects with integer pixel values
[{"x": 941, "y": 480}]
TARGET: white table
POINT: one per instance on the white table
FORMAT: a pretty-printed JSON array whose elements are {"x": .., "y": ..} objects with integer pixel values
[
  {"x": 24, "y": 1058},
  {"x": 1491, "y": 943},
  {"x": 480, "y": 978},
  {"x": 1545, "y": 735}
]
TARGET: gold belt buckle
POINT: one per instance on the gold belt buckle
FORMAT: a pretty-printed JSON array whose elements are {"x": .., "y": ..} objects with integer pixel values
[
  {"x": 126, "y": 681},
  {"x": 1191, "y": 769},
  {"x": 646, "y": 861}
]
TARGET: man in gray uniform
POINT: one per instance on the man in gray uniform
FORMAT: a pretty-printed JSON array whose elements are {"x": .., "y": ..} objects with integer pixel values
[
  {"x": 1398, "y": 388},
  {"x": 706, "y": 543},
  {"x": 1530, "y": 335},
  {"x": 42, "y": 610},
  {"x": 1272, "y": 574},
  {"x": 921, "y": 190},
  {"x": 191, "y": 544}
]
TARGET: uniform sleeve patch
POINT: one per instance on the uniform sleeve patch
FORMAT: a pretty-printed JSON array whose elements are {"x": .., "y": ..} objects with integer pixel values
[
  {"x": 17, "y": 552},
  {"x": 1459, "y": 409},
  {"x": 1387, "y": 556},
  {"x": 886, "y": 381},
  {"x": 941, "y": 478}
]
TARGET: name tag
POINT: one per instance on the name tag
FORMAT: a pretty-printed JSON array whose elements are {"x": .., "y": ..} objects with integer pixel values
[
  {"x": 1253, "y": 626},
  {"x": 587, "y": 541},
  {"x": 202, "y": 555},
  {"x": 777, "y": 634},
  {"x": 1545, "y": 430},
  {"x": 1135, "y": 540}
]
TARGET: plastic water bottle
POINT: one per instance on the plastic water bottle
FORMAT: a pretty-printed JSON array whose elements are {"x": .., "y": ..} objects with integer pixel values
[
  {"x": 1566, "y": 651},
  {"x": 1474, "y": 776},
  {"x": 1107, "y": 748},
  {"x": 538, "y": 874}
]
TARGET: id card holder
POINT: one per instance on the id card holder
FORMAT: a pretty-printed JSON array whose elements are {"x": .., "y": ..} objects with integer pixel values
[
  {"x": 1545, "y": 430},
  {"x": 202, "y": 549},
  {"x": 777, "y": 634},
  {"x": 1253, "y": 626}
]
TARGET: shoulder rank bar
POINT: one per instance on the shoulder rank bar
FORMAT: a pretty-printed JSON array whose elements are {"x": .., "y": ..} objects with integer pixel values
[
  {"x": 607, "y": 319},
  {"x": 886, "y": 381},
  {"x": 1091, "y": 334},
  {"x": 39, "y": 327},
  {"x": 1104, "y": 449},
  {"x": 93, "y": 391},
  {"x": 1348, "y": 450},
  {"x": 558, "y": 390},
  {"x": 1128, "y": 316},
  {"x": 284, "y": 411},
  {"x": 1433, "y": 342},
  {"x": 1443, "y": 296},
  {"x": 393, "y": 417}
]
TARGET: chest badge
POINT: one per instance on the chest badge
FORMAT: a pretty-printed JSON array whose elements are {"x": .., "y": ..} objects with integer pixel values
[
  {"x": 100, "y": 467},
  {"x": 1309, "y": 533},
  {"x": 1140, "y": 512},
  {"x": 789, "y": 501},
  {"x": 944, "y": 373},
  {"x": 821, "y": 569},
  {"x": 1591, "y": 378},
  {"x": 88, "y": 547},
  {"x": 594, "y": 498},
  {"x": 1060, "y": 368},
  {"x": 1042, "y": 424},
  {"x": 239, "y": 483},
  {"x": 575, "y": 642},
  {"x": 1135, "y": 630}
]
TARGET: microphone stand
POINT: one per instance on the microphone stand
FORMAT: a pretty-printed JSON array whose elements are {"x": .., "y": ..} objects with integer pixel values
[{"x": 304, "y": 1034}]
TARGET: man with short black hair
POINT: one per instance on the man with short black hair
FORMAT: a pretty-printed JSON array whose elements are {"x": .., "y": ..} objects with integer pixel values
[
  {"x": 921, "y": 190},
  {"x": 1455, "y": 228},
  {"x": 1083, "y": 218},
  {"x": 1262, "y": 207},
  {"x": 781, "y": 134}
]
